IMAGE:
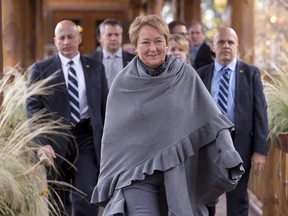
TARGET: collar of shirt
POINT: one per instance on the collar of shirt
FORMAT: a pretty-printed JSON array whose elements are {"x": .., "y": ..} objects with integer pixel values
[
  {"x": 196, "y": 48},
  {"x": 232, "y": 86},
  {"x": 231, "y": 65},
  {"x": 118, "y": 53},
  {"x": 65, "y": 61},
  {"x": 84, "y": 111}
]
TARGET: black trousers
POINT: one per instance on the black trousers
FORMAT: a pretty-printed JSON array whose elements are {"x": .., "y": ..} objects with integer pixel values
[
  {"x": 72, "y": 184},
  {"x": 237, "y": 200}
]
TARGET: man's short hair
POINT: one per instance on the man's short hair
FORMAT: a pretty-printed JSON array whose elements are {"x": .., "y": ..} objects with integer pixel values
[
  {"x": 175, "y": 23},
  {"x": 108, "y": 21},
  {"x": 203, "y": 28}
]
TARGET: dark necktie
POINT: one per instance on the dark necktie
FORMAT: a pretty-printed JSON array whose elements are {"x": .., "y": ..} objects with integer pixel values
[
  {"x": 223, "y": 90},
  {"x": 73, "y": 94}
]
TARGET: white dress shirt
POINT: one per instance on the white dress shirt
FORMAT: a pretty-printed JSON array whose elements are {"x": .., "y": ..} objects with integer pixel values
[
  {"x": 217, "y": 73},
  {"x": 84, "y": 112}
]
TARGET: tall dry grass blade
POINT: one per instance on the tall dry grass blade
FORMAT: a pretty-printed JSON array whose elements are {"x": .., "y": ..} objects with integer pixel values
[
  {"x": 276, "y": 93},
  {"x": 22, "y": 183}
]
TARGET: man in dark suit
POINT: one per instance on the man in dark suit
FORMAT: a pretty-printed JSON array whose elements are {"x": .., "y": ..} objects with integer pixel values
[
  {"x": 113, "y": 57},
  {"x": 200, "y": 51},
  {"x": 245, "y": 107},
  {"x": 178, "y": 27},
  {"x": 77, "y": 155}
]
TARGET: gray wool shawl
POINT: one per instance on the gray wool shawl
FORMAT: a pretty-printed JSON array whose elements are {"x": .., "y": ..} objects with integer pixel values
[{"x": 168, "y": 123}]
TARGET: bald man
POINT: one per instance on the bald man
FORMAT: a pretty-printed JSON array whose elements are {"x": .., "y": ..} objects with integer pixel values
[
  {"x": 246, "y": 108},
  {"x": 76, "y": 157}
]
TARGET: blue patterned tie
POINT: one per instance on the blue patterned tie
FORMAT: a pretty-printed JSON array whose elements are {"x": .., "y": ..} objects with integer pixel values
[
  {"x": 223, "y": 90},
  {"x": 73, "y": 94}
]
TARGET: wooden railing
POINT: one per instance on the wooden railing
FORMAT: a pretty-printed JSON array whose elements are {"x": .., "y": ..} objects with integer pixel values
[{"x": 271, "y": 188}]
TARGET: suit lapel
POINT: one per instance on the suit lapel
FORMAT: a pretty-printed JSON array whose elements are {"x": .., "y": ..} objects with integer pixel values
[
  {"x": 208, "y": 77},
  {"x": 240, "y": 72},
  {"x": 99, "y": 57},
  {"x": 199, "y": 53},
  {"x": 60, "y": 90},
  {"x": 86, "y": 67},
  {"x": 240, "y": 80},
  {"x": 57, "y": 67},
  {"x": 88, "y": 76},
  {"x": 125, "y": 59}
]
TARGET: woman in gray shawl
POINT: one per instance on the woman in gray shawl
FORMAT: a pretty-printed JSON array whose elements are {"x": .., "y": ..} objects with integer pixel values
[{"x": 166, "y": 147}]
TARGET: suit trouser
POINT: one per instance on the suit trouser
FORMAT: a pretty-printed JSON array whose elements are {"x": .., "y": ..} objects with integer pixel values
[
  {"x": 211, "y": 210},
  {"x": 238, "y": 200},
  {"x": 82, "y": 175}
]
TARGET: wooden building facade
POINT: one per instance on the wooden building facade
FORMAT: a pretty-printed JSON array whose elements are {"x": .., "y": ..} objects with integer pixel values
[{"x": 28, "y": 25}]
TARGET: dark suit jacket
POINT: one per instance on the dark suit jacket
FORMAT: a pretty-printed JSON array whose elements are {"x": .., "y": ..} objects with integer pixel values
[
  {"x": 56, "y": 103},
  {"x": 251, "y": 126},
  {"x": 98, "y": 56},
  {"x": 204, "y": 56}
]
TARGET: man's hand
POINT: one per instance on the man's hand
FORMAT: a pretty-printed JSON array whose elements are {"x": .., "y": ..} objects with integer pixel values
[
  {"x": 258, "y": 162},
  {"x": 48, "y": 151}
]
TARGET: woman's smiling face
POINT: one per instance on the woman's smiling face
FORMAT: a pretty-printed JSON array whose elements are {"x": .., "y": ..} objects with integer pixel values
[{"x": 151, "y": 46}]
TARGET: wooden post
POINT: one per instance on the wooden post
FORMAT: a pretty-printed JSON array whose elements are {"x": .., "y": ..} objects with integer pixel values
[
  {"x": 1, "y": 51},
  {"x": 18, "y": 33},
  {"x": 242, "y": 20},
  {"x": 275, "y": 183},
  {"x": 135, "y": 10},
  {"x": 11, "y": 36},
  {"x": 28, "y": 22},
  {"x": 192, "y": 10},
  {"x": 271, "y": 198},
  {"x": 284, "y": 184},
  {"x": 178, "y": 10},
  {"x": 1, "y": 44},
  {"x": 39, "y": 30},
  {"x": 154, "y": 7}
]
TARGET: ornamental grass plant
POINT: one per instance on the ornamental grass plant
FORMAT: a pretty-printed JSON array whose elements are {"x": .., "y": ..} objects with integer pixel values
[
  {"x": 23, "y": 185},
  {"x": 276, "y": 93}
]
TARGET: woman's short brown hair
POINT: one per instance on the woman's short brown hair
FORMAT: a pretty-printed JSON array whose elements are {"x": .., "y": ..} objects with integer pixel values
[
  {"x": 181, "y": 41},
  {"x": 150, "y": 20}
]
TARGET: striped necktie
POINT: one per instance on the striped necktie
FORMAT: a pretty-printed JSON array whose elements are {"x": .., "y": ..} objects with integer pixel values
[
  {"x": 73, "y": 94},
  {"x": 223, "y": 90}
]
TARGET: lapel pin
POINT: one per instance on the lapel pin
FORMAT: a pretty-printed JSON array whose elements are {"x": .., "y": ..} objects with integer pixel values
[{"x": 87, "y": 66}]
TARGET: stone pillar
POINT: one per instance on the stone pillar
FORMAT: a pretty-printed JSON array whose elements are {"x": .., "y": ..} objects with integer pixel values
[{"x": 242, "y": 21}]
